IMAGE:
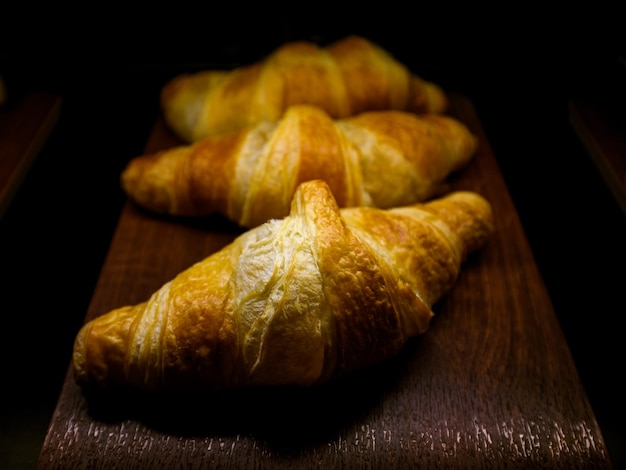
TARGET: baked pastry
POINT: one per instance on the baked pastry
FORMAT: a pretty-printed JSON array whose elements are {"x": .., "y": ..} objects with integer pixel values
[
  {"x": 381, "y": 159},
  {"x": 345, "y": 78},
  {"x": 319, "y": 294}
]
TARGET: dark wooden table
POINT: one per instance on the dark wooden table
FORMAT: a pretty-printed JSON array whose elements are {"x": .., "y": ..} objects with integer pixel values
[
  {"x": 25, "y": 124},
  {"x": 602, "y": 129},
  {"x": 491, "y": 384}
]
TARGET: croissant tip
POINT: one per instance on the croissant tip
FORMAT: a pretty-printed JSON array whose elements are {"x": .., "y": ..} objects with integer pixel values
[
  {"x": 79, "y": 361},
  {"x": 172, "y": 88},
  {"x": 129, "y": 177}
]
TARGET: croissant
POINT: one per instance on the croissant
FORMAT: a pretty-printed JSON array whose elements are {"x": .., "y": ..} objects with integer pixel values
[
  {"x": 380, "y": 158},
  {"x": 319, "y": 294},
  {"x": 345, "y": 78}
]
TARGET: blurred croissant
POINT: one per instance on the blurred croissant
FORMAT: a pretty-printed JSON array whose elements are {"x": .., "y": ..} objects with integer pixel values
[
  {"x": 346, "y": 78},
  {"x": 381, "y": 159},
  {"x": 298, "y": 301}
]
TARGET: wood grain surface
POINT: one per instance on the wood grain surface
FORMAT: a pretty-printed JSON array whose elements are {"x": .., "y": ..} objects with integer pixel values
[
  {"x": 602, "y": 129},
  {"x": 492, "y": 384},
  {"x": 25, "y": 124}
]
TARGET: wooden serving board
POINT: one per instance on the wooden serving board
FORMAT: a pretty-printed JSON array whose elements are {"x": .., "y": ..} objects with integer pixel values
[{"x": 491, "y": 384}]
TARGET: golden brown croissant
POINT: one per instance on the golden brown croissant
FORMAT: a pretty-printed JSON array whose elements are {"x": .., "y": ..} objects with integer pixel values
[
  {"x": 346, "y": 78},
  {"x": 381, "y": 159},
  {"x": 319, "y": 294}
]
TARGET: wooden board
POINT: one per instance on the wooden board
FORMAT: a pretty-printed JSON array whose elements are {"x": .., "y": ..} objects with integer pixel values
[
  {"x": 24, "y": 127},
  {"x": 602, "y": 130},
  {"x": 491, "y": 384}
]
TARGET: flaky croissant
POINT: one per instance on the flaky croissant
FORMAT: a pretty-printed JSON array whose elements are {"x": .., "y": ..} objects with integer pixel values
[
  {"x": 345, "y": 78},
  {"x": 381, "y": 159},
  {"x": 298, "y": 301}
]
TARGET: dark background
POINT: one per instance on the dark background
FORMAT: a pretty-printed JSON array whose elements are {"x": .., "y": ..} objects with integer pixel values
[{"x": 519, "y": 67}]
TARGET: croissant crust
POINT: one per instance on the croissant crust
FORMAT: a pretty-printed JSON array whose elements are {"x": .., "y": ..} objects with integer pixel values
[
  {"x": 347, "y": 77},
  {"x": 297, "y": 301},
  {"x": 381, "y": 159}
]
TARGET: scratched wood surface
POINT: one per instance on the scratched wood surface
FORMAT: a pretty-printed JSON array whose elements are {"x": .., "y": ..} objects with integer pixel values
[{"x": 491, "y": 384}]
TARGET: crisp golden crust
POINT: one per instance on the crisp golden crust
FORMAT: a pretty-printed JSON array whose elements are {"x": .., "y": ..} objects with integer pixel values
[
  {"x": 406, "y": 158},
  {"x": 298, "y": 301},
  {"x": 348, "y": 77},
  {"x": 381, "y": 159}
]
